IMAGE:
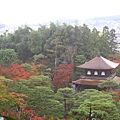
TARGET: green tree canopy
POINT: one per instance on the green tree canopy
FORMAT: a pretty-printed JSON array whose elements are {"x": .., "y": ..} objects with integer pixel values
[
  {"x": 95, "y": 104},
  {"x": 35, "y": 42},
  {"x": 41, "y": 100},
  {"x": 108, "y": 84},
  {"x": 40, "y": 96},
  {"x": 7, "y": 57},
  {"x": 66, "y": 97}
]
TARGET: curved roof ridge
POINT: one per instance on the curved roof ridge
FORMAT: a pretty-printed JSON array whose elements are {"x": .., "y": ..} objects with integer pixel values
[
  {"x": 99, "y": 62},
  {"x": 110, "y": 63}
]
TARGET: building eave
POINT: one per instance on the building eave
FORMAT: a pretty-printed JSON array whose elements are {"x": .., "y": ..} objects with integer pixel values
[{"x": 99, "y": 63}]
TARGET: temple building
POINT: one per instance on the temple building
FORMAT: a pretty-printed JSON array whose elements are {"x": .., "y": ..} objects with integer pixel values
[{"x": 96, "y": 71}]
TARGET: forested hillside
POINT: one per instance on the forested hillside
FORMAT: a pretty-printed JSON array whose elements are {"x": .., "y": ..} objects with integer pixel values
[
  {"x": 38, "y": 65},
  {"x": 56, "y": 44},
  {"x": 59, "y": 43}
]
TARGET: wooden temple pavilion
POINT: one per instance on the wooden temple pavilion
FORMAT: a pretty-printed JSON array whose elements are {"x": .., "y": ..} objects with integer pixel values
[{"x": 96, "y": 71}]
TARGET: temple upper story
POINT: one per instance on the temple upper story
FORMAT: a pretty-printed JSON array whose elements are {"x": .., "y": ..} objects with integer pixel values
[{"x": 98, "y": 67}]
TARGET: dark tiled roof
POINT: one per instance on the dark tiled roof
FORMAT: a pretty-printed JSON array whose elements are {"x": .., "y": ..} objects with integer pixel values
[{"x": 99, "y": 63}]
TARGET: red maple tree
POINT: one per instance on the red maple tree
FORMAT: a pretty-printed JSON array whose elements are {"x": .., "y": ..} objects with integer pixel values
[
  {"x": 5, "y": 71},
  {"x": 63, "y": 75}
]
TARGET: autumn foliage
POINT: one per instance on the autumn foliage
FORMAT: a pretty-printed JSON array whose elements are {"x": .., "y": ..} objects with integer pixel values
[
  {"x": 62, "y": 75},
  {"x": 22, "y": 114},
  {"x": 14, "y": 72},
  {"x": 5, "y": 71},
  {"x": 18, "y": 72},
  {"x": 116, "y": 95}
]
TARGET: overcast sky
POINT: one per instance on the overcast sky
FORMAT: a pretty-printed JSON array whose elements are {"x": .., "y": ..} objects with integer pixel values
[{"x": 18, "y": 12}]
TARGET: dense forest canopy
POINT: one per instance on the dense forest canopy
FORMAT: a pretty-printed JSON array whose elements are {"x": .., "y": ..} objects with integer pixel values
[{"x": 60, "y": 43}]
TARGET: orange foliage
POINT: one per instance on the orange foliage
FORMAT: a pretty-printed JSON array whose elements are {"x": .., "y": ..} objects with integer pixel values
[
  {"x": 15, "y": 72},
  {"x": 62, "y": 75},
  {"x": 34, "y": 70},
  {"x": 19, "y": 99},
  {"x": 18, "y": 72},
  {"x": 15, "y": 112}
]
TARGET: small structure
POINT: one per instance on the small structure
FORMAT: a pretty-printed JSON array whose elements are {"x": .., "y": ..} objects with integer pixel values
[{"x": 96, "y": 71}]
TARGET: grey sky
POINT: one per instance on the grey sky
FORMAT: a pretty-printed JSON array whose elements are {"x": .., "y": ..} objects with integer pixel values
[{"x": 17, "y": 12}]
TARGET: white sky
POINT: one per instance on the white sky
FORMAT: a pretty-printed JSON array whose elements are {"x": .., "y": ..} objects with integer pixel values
[{"x": 18, "y": 12}]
